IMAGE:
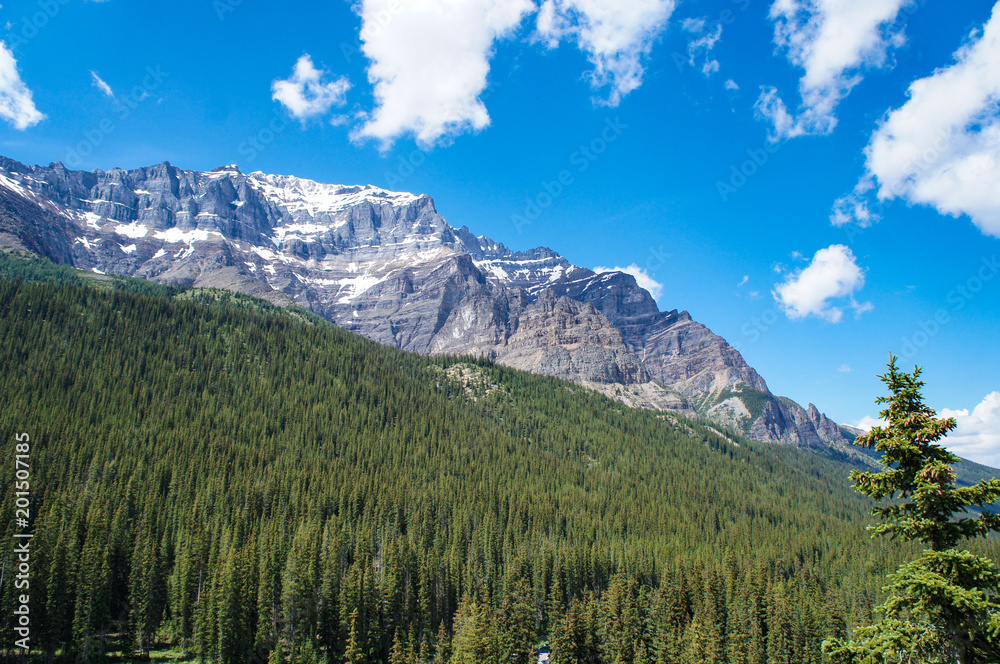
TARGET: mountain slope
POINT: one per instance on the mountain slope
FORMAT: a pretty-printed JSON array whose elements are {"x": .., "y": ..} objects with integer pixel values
[
  {"x": 237, "y": 479},
  {"x": 388, "y": 266}
]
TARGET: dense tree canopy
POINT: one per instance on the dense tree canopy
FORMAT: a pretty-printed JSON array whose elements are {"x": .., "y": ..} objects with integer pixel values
[{"x": 247, "y": 483}]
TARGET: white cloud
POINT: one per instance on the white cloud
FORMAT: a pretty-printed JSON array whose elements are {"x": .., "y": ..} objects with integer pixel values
[
  {"x": 833, "y": 41},
  {"x": 101, "y": 85},
  {"x": 642, "y": 278},
  {"x": 429, "y": 63},
  {"x": 867, "y": 422},
  {"x": 942, "y": 147},
  {"x": 305, "y": 95},
  {"x": 616, "y": 36},
  {"x": 833, "y": 274},
  {"x": 701, "y": 48},
  {"x": 977, "y": 436},
  {"x": 743, "y": 281},
  {"x": 693, "y": 25},
  {"x": 845, "y": 368},
  {"x": 731, "y": 84},
  {"x": 16, "y": 106},
  {"x": 430, "y": 59}
]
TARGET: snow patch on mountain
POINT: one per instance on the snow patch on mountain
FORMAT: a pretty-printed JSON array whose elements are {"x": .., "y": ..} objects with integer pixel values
[{"x": 305, "y": 199}]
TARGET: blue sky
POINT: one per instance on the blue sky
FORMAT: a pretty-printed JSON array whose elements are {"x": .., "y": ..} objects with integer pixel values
[{"x": 817, "y": 181}]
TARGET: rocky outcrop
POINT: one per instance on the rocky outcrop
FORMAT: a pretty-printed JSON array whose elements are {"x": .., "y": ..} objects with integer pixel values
[
  {"x": 560, "y": 337},
  {"x": 386, "y": 265}
]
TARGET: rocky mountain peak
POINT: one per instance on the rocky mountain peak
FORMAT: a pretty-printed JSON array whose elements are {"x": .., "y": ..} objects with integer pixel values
[{"x": 387, "y": 265}]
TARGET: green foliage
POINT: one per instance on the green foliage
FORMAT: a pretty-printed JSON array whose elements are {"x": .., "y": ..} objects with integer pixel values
[
  {"x": 919, "y": 472},
  {"x": 942, "y": 607},
  {"x": 246, "y": 483},
  {"x": 23, "y": 266}
]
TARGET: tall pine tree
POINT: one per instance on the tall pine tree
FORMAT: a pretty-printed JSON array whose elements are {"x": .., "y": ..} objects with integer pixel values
[{"x": 942, "y": 607}]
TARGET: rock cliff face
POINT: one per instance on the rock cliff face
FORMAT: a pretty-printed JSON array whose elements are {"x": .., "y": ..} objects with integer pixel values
[
  {"x": 559, "y": 336},
  {"x": 386, "y": 265}
]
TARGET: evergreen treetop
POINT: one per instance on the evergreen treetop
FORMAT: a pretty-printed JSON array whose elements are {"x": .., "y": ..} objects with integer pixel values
[
  {"x": 918, "y": 474},
  {"x": 942, "y": 607}
]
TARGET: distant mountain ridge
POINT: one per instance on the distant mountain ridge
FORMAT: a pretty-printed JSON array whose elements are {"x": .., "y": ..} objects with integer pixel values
[{"x": 386, "y": 265}]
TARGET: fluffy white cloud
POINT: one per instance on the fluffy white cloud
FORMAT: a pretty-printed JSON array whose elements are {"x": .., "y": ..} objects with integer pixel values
[
  {"x": 833, "y": 41},
  {"x": 642, "y": 278},
  {"x": 845, "y": 368},
  {"x": 942, "y": 147},
  {"x": 16, "y": 106},
  {"x": 429, "y": 62},
  {"x": 101, "y": 85},
  {"x": 306, "y": 95},
  {"x": 616, "y": 36},
  {"x": 430, "y": 58},
  {"x": 977, "y": 436},
  {"x": 832, "y": 274}
]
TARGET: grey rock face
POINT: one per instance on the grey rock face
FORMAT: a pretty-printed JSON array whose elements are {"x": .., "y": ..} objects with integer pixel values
[
  {"x": 558, "y": 336},
  {"x": 386, "y": 265}
]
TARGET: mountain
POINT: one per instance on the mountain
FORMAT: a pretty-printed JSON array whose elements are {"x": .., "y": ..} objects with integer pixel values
[
  {"x": 386, "y": 265},
  {"x": 236, "y": 482}
]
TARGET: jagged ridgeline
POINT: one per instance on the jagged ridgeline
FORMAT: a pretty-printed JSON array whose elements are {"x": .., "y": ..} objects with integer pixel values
[
  {"x": 238, "y": 481},
  {"x": 388, "y": 266}
]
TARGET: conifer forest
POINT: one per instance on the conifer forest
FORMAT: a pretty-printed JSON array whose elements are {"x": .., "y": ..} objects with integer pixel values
[{"x": 226, "y": 481}]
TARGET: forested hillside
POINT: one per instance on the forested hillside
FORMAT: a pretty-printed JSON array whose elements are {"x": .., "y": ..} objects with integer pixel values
[{"x": 250, "y": 483}]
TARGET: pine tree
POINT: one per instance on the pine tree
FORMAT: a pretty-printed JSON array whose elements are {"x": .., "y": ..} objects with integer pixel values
[
  {"x": 515, "y": 620},
  {"x": 423, "y": 653},
  {"x": 942, "y": 607},
  {"x": 147, "y": 585},
  {"x": 442, "y": 645},
  {"x": 554, "y": 605},
  {"x": 353, "y": 653},
  {"x": 779, "y": 625},
  {"x": 469, "y": 644},
  {"x": 397, "y": 653},
  {"x": 620, "y": 620}
]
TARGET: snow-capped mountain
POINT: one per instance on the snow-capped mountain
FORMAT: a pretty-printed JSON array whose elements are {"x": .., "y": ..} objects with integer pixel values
[{"x": 388, "y": 266}]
